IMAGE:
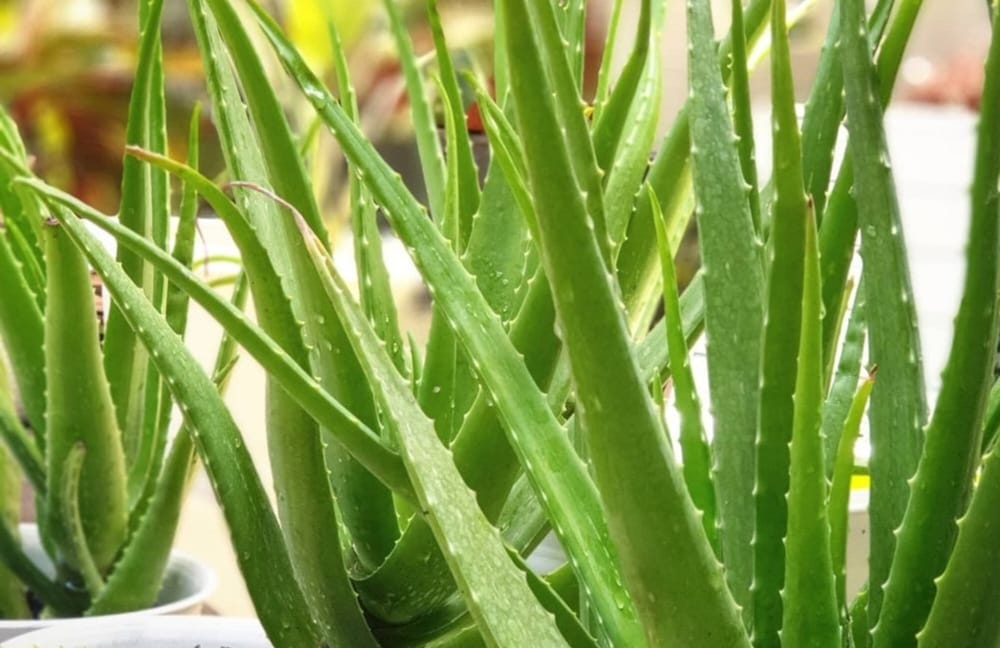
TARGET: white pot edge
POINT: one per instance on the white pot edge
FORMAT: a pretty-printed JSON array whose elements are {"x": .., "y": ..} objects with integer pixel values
[
  {"x": 148, "y": 632},
  {"x": 182, "y": 567}
]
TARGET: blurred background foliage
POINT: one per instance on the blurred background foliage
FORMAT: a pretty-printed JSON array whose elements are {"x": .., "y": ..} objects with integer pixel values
[{"x": 66, "y": 75}]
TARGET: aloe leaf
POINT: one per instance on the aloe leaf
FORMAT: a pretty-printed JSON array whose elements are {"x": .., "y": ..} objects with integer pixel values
[
  {"x": 79, "y": 551},
  {"x": 613, "y": 119},
  {"x": 840, "y": 488},
  {"x": 21, "y": 446},
  {"x": 567, "y": 621},
  {"x": 541, "y": 25},
  {"x": 842, "y": 391},
  {"x": 364, "y": 443},
  {"x": 257, "y": 540},
  {"x": 739, "y": 90},
  {"x": 824, "y": 109},
  {"x": 943, "y": 481},
  {"x": 22, "y": 333},
  {"x": 840, "y": 226},
  {"x": 694, "y": 444},
  {"x": 151, "y": 445},
  {"x": 60, "y": 599},
  {"x": 498, "y": 254},
  {"x": 638, "y": 132},
  {"x": 898, "y": 409},
  {"x": 781, "y": 350},
  {"x": 508, "y": 154},
  {"x": 607, "y": 59},
  {"x": 496, "y": 592},
  {"x": 733, "y": 299},
  {"x": 447, "y": 386},
  {"x": 459, "y": 147},
  {"x": 143, "y": 210},
  {"x": 572, "y": 22},
  {"x": 22, "y": 223},
  {"x": 135, "y": 581},
  {"x": 610, "y": 394},
  {"x": 301, "y": 478},
  {"x": 809, "y": 601},
  {"x": 424, "y": 127},
  {"x": 373, "y": 277},
  {"x": 13, "y": 604},
  {"x": 964, "y": 612},
  {"x": 991, "y": 418},
  {"x": 534, "y": 433},
  {"x": 79, "y": 409}
]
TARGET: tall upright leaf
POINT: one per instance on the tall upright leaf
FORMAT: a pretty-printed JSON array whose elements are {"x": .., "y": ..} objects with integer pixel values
[
  {"x": 733, "y": 298},
  {"x": 79, "y": 409},
  {"x": 811, "y": 616},
  {"x": 144, "y": 209},
  {"x": 424, "y": 125},
  {"x": 898, "y": 408},
  {"x": 624, "y": 434},
  {"x": 781, "y": 349}
]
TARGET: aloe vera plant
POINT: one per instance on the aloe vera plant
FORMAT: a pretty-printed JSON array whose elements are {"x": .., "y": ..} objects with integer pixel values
[{"x": 412, "y": 482}]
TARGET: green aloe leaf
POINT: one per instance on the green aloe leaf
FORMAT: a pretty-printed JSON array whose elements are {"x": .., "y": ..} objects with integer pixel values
[
  {"x": 152, "y": 444},
  {"x": 607, "y": 59},
  {"x": 845, "y": 381},
  {"x": 694, "y": 444},
  {"x": 613, "y": 119},
  {"x": 144, "y": 209},
  {"x": 781, "y": 349},
  {"x": 54, "y": 595},
  {"x": 541, "y": 25},
  {"x": 373, "y": 277},
  {"x": 13, "y": 604},
  {"x": 733, "y": 298},
  {"x": 638, "y": 131},
  {"x": 669, "y": 175},
  {"x": 572, "y": 21},
  {"x": 79, "y": 409},
  {"x": 840, "y": 225},
  {"x": 898, "y": 408},
  {"x": 459, "y": 147},
  {"x": 840, "y": 487},
  {"x": 739, "y": 90},
  {"x": 810, "y": 613},
  {"x": 624, "y": 435},
  {"x": 425, "y": 130},
  {"x": 22, "y": 333}
]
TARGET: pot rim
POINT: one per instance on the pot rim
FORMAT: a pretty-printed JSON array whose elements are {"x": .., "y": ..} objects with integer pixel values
[{"x": 179, "y": 561}]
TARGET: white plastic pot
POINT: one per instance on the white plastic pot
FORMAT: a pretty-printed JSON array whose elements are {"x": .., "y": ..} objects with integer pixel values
[
  {"x": 148, "y": 632},
  {"x": 186, "y": 586}
]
